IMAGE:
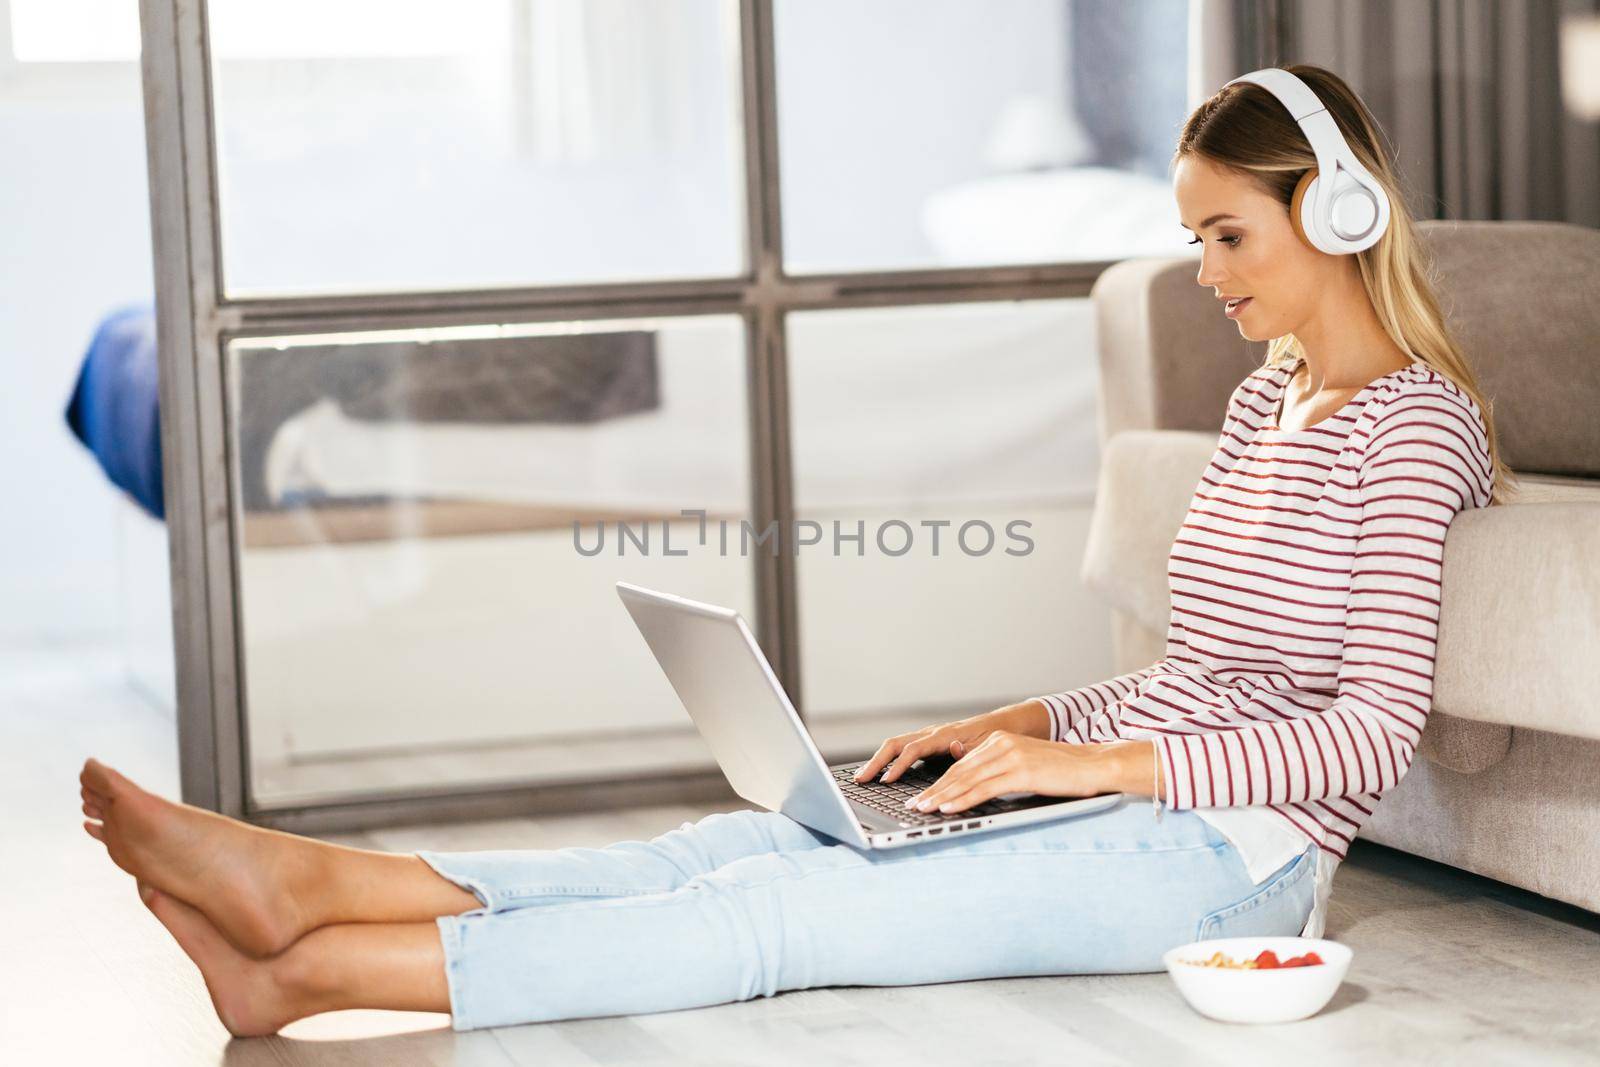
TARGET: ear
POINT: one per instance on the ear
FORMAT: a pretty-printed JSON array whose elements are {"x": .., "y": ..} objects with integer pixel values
[{"x": 1302, "y": 187}]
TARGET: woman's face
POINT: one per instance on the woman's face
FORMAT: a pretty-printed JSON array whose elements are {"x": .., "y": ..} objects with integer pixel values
[{"x": 1252, "y": 251}]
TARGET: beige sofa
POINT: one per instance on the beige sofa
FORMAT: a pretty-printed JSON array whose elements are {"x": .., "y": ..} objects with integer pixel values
[{"x": 1507, "y": 783}]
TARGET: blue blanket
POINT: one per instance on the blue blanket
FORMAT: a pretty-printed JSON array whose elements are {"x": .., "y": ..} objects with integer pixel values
[{"x": 115, "y": 408}]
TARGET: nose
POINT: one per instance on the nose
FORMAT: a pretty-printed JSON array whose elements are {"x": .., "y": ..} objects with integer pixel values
[{"x": 1209, "y": 274}]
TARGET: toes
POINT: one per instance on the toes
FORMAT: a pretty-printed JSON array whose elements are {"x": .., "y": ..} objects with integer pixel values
[
  {"x": 93, "y": 776},
  {"x": 101, "y": 779}
]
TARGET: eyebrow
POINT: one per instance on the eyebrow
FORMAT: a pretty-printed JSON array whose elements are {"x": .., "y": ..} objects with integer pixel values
[
  {"x": 1215, "y": 218},
  {"x": 1210, "y": 221}
]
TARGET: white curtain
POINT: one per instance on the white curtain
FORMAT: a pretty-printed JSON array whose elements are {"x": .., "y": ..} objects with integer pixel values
[
  {"x": 1212, "y": 59},
  {"x": 603, "y": 80}
]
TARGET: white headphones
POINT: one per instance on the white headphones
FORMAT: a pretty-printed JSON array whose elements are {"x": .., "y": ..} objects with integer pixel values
[{"x": 1347, "y": 213}]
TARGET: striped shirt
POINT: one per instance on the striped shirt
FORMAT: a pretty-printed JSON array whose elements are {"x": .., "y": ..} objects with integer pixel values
[{"x": 1305, "y": 585}]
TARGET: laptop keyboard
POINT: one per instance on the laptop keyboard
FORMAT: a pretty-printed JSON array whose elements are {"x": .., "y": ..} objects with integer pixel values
[{"x": 890, "y": 797}]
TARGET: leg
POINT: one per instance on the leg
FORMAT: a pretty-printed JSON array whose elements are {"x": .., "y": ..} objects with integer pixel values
[
  {"x": 1103, "y": 894},
  {"x": 504, "y": 880},
  {"x": 1106, "y": 893},
  {"x": 401, "y": 965},
  {"x": 262, "y": 889},
  {"x": 356, "y": 965}
]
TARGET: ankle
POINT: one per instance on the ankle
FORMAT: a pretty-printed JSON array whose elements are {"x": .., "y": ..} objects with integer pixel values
[
  {"x": 302, "y": 980},
  {"x": 271, "y": 900}
]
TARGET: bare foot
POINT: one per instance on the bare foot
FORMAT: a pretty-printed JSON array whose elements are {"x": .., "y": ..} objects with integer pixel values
[
  {"x": 249, "y": 998},
  {"x": 247, "y": 881}
]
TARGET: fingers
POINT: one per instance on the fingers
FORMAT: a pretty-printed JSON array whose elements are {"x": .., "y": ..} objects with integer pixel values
[
  {"x": 985, "y": 790},
  {"x": 963, "y": 793},
  {"x": 898, "y": 753},
  {"x": 95, "y": 830},
  {"x": 903, "y": 750},
  {"x": 953, "y": 784},
  {"x": 93, "y": 811},
  {"x": 996, "y": 755},
  {"x": 910, "y": 754},
  {"x": 886, "y": 751}
]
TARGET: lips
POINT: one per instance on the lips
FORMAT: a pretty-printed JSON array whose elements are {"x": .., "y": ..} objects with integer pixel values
[{"x": 1235, "y": 306}]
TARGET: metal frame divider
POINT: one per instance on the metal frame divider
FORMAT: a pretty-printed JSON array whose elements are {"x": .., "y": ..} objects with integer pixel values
[{"x": 196, "y": 320}]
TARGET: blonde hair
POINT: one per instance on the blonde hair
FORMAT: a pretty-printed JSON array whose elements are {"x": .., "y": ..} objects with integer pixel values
[{"x": 1245, "y": 128}]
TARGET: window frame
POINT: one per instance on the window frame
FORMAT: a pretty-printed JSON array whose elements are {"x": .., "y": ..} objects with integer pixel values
[{"x": 196, "y": 320}]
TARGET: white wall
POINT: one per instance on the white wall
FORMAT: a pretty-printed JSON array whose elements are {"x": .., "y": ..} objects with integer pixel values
[{"x": 74, "y": 243}]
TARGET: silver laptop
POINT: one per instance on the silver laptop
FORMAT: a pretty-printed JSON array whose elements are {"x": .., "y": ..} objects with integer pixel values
[{"x": 728, "y": 688}]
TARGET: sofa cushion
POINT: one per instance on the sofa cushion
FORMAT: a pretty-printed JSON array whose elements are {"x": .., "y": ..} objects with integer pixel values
[
  {"x": 1520, "y": 620},
  {"x": 1555, "y": 489},
  {"x": 1464, "y": 746}
]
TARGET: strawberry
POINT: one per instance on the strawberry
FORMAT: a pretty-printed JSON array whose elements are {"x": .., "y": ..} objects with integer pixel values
[{"x": 1310, "y": 959}]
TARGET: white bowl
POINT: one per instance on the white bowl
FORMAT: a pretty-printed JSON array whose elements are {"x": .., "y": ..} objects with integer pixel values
[{"x": 1275, "y": 995}]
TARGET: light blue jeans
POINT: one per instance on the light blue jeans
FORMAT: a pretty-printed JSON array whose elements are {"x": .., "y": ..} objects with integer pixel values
[{"x": 750, "y": 903}]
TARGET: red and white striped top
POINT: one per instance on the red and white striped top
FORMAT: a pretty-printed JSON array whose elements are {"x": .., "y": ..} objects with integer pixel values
[{"x": 1305, "y": 584}]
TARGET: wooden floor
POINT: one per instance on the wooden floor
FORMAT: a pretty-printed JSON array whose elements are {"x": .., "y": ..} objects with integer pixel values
[{"x": 1449, "y": 968}]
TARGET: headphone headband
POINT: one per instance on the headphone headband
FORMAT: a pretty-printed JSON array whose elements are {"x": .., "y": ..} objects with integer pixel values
[{"x": 1347, "y": 212}]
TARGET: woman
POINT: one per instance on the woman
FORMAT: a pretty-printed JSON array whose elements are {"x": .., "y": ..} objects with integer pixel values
[{"x": 1296, "y": 680}]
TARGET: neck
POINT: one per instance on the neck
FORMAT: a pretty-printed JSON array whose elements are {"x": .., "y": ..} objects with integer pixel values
[{"x": 1343, "y": 341}]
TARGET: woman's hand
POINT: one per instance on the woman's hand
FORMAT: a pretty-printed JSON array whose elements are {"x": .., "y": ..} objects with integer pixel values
[
  {"x": 1029, "y": 718},
  {"x": 1006, "y": 762}
]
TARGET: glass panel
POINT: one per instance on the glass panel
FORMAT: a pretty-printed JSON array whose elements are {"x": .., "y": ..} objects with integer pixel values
[
  {"x": 430, "y": 540},
  {"x": 73, "y": 31},
  {"x": 960, "y": 442},
  {"x": 371, "y": 145},
  {"x": 945, "y": 133}
]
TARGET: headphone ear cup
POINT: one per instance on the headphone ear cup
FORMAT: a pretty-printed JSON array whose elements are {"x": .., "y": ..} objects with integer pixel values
[{"x": 1297, "y": 206}]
